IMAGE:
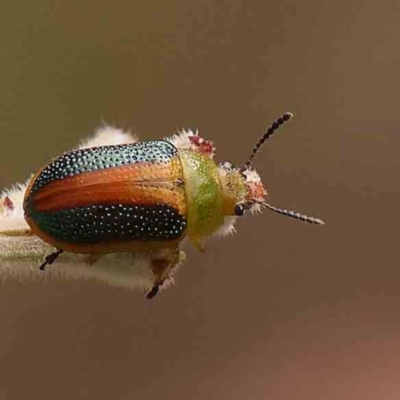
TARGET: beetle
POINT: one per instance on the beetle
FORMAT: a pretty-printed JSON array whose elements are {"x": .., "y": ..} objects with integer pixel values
[{"x": 143, "y": 196}]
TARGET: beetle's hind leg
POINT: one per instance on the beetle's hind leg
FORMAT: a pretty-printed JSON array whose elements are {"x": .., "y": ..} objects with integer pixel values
[
  {"x": 162, "y": 267},
  {"x": 50, "y": 259}
]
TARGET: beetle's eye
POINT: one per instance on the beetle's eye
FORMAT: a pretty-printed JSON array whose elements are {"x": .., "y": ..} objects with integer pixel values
[
  {"x": 226, "y": 165},
  {"x": 239, "y": 209}
]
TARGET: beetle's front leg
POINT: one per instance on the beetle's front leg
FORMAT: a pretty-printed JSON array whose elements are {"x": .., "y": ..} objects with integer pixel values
[{"x": 162, "y": 267}]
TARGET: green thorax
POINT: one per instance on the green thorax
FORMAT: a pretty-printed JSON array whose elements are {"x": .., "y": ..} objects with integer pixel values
[{"x": 204, "y": 195}]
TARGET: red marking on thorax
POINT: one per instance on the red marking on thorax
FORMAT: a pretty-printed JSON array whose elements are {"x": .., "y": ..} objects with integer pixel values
[{"x": 204, "y": 146}]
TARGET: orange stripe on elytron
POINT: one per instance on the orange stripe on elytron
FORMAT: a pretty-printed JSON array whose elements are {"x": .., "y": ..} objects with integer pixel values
[{"x": 143, "y": 183}]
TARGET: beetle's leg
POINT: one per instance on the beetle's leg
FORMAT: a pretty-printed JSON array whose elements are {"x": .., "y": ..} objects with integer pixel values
[
  {"x": 50, "y": 259},
  {"x": 161, "y": 268},
  {"x": 92, "y": 258},
  {"x": 199, "y": 243}
]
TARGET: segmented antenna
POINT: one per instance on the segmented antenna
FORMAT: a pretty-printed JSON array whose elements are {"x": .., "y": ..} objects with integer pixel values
[
  {"x": 294, "y": 214},
  {"x": 275, "y": 125}
]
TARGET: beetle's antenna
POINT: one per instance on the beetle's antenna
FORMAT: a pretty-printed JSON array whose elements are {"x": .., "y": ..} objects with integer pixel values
[
  {"x": 268, "y": 133},
  {"x": 293, "y": 214}
]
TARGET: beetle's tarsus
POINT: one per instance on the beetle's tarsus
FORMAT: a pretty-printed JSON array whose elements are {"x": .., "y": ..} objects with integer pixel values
[
  {"x": 153, "y": 292},
  {"x": 50, "y": 259},
  {"x": 162, "y": 267}
]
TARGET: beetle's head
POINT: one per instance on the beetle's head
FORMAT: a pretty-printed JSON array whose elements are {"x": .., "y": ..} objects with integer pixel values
[{"x": 243, "y": 188}]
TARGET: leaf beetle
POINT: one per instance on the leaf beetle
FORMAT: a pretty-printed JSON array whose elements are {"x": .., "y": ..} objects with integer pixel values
[{"x": 142, "y": 196}]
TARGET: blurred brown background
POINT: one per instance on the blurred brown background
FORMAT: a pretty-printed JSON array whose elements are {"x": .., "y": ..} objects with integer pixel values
[{"x": 279, "y": 311}]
